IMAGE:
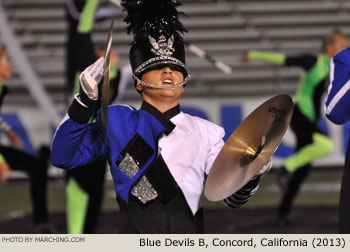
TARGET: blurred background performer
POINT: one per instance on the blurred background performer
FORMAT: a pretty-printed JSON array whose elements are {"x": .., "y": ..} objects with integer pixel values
[
  {"x": 311, "y": 142},
  {"x": 158, "y": 155},
  {"x": 85, "y": 183},
  {"x": 14, "y": 158},
  {"x": 338, "y": 111}
]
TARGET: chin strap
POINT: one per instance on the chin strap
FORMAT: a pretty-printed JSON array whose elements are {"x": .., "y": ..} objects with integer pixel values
[{"x": 147, "y": 85}]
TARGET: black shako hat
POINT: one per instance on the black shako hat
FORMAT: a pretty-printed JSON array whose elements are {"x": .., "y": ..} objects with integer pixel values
[{"x": 157, "y": 39}]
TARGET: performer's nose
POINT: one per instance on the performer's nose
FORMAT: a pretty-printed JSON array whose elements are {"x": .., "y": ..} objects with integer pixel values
[{"x": 167, "y": 70}]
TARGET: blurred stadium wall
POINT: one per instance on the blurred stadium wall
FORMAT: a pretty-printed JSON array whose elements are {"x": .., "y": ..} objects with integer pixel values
[{"x": 224, "y": 28}]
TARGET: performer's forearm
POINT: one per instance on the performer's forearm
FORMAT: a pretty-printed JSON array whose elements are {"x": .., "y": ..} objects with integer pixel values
[
  {"x": 270, "y": 57},
  {"x": 81, "y": 110},
  {"x": 76, "y": 144},
  {"x": 242, "y": 195},
  {"x": 87, "y": 16}
]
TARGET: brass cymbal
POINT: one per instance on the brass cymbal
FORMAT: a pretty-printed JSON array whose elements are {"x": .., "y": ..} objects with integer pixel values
[
  {"x": 105, "y": 83},
  {"x": 249, "y": 148}
]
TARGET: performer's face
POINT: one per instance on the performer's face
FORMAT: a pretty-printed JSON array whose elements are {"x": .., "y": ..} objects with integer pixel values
[
  {"x": 338, "y": 44},
  {"x": 5, "y": 66},
  {"x": 165, "y": 75}
]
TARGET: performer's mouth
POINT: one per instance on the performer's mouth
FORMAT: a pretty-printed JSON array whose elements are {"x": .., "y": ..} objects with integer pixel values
[{"x": 167, "y": 81}]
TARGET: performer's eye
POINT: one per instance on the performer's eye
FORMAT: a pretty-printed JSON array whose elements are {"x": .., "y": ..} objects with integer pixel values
[
  {"x": 161, "y": 66},
  {"x": 175, "y": 68},
  {"x": 156, "y": 67}
]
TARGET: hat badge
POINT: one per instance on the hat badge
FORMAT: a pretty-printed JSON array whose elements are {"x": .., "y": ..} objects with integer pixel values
[{"x": 162, "y": 46}]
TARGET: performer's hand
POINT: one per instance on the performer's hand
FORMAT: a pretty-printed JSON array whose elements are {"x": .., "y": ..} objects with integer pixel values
[
  {"x": 4, "y": 168},
  {"x": 245, "y": 58},
  {"x": 90, "y": 78},
  {"x": 14, "y": 139},
  {"x": 266, "y": 168},
  {"x": 115, "y": 57}
]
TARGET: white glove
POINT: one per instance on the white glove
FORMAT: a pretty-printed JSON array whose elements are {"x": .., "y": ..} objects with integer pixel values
[
  {"x": 266, "y": 168},
  {"x": 91, "y": 77}
]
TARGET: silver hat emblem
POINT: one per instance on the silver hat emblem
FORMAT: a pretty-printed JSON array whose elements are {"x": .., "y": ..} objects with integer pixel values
[{"x": 162, "y": 47}]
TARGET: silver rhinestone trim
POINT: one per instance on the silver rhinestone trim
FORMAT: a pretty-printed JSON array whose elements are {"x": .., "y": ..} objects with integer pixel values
[
  {"x": 128, "y": 166},
  {"x": 143, "y": 190},
  {"x": 162, "y": 46},
  {"x": 163, "y": 59},
  {"x": 147, "y": 85}
]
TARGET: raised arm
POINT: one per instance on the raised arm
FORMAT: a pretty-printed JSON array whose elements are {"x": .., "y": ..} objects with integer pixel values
[
  {"x": 270, "y": 57},
  {"x": 76, "y": 141},
  {"x": 280, "y": 59}
]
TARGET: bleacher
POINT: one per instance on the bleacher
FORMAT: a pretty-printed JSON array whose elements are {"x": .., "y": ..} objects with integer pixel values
[{"x": 224, "y": 28}]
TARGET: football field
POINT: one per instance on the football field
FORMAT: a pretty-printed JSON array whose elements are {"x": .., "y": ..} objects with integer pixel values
[{"x": 315, "y": 211}]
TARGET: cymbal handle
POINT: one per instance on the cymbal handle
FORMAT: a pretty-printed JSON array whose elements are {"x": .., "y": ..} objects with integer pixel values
[{"x": 257, "y": 152}]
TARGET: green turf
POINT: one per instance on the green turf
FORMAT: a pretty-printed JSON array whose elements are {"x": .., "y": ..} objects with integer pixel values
[
  {"x": 267, "y": 198},
  {"x": 14, "y": 196}
]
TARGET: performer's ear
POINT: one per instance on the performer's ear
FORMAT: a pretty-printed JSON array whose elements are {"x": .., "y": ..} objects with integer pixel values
[{"x": 139, "y": 87}]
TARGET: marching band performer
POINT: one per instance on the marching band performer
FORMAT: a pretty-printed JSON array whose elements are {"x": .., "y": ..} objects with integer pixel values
[
  {"x": 15, "y": 158},
  {"x": 159, "y": 156},
  {"x": 338, "y": 111},
  {"x": 311, "y": 142}
]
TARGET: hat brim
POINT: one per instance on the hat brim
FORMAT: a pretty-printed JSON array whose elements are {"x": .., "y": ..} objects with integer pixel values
[{"x": 156, "y": 62}]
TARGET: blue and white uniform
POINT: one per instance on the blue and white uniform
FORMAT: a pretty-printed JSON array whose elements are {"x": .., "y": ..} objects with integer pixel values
[
  {"x": 158, "y": 162},
  {"x": 338, "y": 111},
  {"x": 338, "y": 99}
]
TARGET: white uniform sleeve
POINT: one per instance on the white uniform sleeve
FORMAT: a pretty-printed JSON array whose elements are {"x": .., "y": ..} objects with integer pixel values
[{"x": 216, "y": 146}]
